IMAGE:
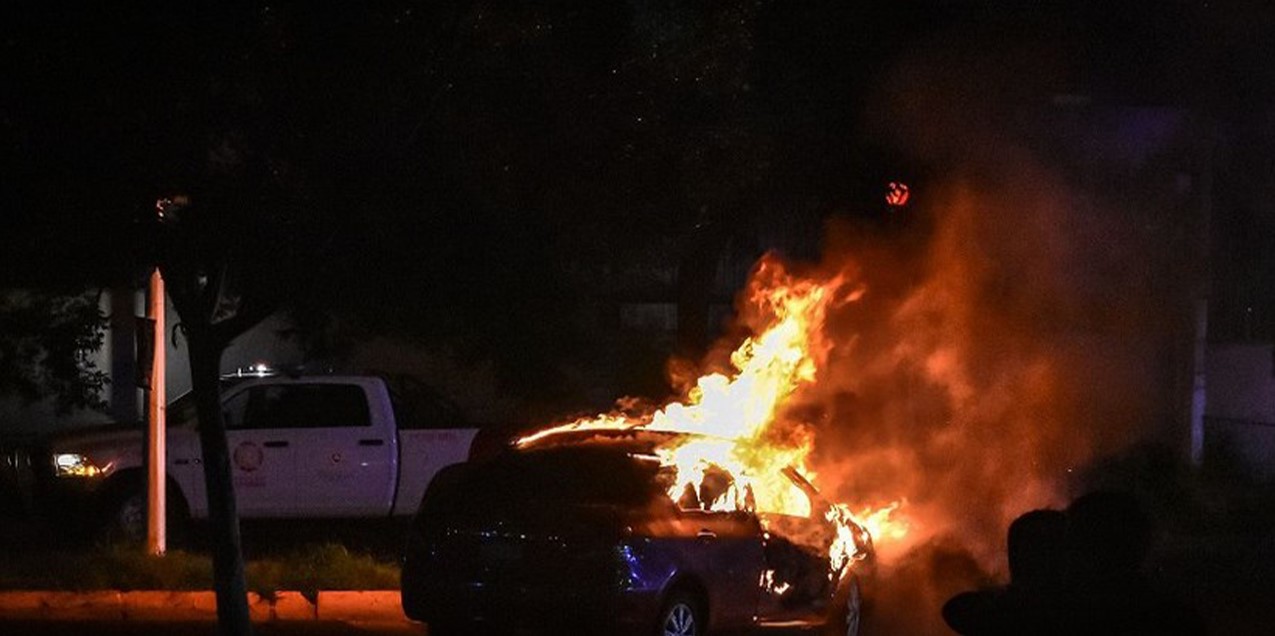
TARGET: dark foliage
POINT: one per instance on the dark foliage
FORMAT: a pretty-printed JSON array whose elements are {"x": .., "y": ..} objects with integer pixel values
[{"x": 46, "y": 343}]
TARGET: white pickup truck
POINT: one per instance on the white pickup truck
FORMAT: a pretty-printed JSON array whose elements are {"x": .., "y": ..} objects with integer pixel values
[{"x": 300, "y": 447}]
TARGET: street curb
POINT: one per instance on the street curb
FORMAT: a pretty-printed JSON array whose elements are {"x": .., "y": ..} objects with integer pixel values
[
  {"x": 69, "y": 606},
  {"x": 163, "y": 605},
  {"x": 359, "y": 606}
]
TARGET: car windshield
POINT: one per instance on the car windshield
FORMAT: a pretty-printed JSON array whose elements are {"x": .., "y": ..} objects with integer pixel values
[{"x": 710, "y": 487}]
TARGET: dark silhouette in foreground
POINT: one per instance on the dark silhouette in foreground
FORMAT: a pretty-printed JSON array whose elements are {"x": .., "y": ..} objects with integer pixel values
[
  {"x": 1036, "y": 545},
  {"x": 1078, "y": 572}
]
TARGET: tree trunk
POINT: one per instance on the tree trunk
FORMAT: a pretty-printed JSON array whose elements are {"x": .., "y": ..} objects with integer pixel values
[{"x": 223, "y": 517}]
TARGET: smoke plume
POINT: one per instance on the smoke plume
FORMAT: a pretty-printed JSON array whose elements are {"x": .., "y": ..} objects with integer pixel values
[{"x": 1010, "y": 333}]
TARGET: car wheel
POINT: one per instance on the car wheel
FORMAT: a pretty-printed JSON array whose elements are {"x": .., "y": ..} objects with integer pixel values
[
  {"x": 848, "y": 606},
  {"x": 681, "y": 616}
]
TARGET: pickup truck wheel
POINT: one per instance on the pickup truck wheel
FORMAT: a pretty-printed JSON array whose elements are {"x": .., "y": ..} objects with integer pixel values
[
  {"x": 126, "y": 518},
  {"x": 127, "y": 521}
]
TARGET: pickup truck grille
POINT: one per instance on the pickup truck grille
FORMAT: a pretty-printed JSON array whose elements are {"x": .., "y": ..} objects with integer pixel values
[
  {"x": 15, "y": 459},
  {"x": 17, "y": 479}
]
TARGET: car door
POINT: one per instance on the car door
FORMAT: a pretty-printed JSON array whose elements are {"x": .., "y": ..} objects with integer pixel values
[
  {"x": 262, "y": 459},
  {"x": 796, "y": 582},
  {"x": 728, "y": 546},
  {"x": 345, "y": 464}
]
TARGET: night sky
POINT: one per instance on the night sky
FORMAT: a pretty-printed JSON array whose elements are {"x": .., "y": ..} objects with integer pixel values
[
  {"x": 468, "y": 173},
  {"x": 551, "y": 204}
]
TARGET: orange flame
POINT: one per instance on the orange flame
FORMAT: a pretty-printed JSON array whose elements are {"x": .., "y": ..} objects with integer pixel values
[{"x": 733, "y": 414}]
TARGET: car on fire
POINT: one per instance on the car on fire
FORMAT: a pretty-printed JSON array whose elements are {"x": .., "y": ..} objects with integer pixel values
[{"x": 580, "y": 534}]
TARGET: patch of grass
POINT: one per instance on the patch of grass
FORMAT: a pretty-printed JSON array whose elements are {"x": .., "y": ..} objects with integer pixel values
[
  {"x": 327, "y": 566},
  {"x": 120, "y": 568},
  {"x": 307, "y": 569}
]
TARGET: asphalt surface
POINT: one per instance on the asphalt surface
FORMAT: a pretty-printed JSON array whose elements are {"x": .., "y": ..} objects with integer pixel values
[{"x": 207, "y": 628}]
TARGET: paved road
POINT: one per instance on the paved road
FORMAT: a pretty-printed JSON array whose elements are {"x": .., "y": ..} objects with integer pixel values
[{"x": 207, "y": 628}]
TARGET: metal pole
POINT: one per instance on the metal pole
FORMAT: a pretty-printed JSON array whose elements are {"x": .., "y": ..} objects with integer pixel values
[
  {"x": 1199, "y": 381},
  {"x": 156, "y": 408},
  {"x": 1202, "y": 292}
]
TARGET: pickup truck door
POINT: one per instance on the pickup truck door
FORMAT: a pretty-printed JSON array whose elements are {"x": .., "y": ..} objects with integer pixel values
[
  {"x": 262, "y": 459},
  {"x": 346, "y": 452}
]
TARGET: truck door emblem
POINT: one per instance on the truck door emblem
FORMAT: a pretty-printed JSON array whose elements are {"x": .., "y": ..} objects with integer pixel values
[{"x": 248, "y": 456}]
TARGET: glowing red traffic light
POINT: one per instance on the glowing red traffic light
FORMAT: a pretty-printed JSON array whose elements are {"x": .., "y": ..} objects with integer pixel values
[{"x": 897, "y": 194}]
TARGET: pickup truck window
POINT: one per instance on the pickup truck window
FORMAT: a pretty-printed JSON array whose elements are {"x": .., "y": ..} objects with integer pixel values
[{"x": 298, "y": 406}]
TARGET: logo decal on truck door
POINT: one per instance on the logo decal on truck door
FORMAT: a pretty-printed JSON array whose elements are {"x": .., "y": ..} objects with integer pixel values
[{"x": 248, "y": 457}]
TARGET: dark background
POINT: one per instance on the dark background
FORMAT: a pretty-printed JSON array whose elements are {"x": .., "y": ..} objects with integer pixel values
[
  {"x": 505, "y": 179},
  {"x": 573, "y": 192}
]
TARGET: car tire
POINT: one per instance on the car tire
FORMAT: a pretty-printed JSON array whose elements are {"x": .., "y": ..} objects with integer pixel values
[
  {"x": 126, "y": 518},
  {"x": 847, "y": 617},
  {"x": 681, "y": 616}
]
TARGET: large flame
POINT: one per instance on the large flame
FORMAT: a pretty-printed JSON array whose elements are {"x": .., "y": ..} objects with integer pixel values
[{"x": 734, "y": 414}]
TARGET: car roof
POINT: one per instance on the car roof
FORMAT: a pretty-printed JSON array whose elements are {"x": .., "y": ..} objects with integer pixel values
[
  {"x": 637, "y": 442},
  {"x": 633, "y": 440}
]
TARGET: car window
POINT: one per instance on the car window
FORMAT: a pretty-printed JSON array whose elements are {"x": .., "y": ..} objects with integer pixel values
[
  {"x": 549, "y": 478},
  {"x": 298, "y": 406},
  {"x": 712, "y": 489},
  {"x": 782, "y": 496}
]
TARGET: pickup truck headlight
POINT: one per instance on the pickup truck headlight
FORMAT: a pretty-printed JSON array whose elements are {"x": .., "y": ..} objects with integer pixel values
[{"x": 74, "y": 465}]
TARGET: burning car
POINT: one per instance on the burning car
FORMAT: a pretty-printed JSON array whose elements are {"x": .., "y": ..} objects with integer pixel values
[{"x": 601, "y": 531}]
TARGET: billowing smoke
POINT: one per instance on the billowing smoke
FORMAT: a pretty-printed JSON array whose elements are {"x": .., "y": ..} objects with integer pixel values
[
  {"x": 1012, "y": 332},
  {"x": 975, "y": 374}
]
